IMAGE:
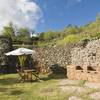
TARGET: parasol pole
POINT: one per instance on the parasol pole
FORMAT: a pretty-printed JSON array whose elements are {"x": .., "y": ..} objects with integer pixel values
[{"x": 22, "y": 59}]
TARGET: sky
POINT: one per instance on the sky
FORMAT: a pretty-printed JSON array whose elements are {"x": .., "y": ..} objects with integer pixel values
[{"x": 44, "y": 15}]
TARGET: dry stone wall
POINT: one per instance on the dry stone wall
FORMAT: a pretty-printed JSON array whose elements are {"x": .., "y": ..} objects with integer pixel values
[
  {"x": 49, "y": 56},
  {"x": 88, "y": 56},
  {"x": 82, "y": 54},
  {"x": 85, "y": 62}
]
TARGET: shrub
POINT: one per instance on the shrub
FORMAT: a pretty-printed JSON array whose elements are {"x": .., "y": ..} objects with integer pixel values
[
  {"x": 96, "y": 35},
  {"x": 70, "y": 39},
  {"x": 56, "y": 69}
]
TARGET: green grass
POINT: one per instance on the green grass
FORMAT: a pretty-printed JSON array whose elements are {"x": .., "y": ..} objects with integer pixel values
[
  {"x": 11, "y": 89},
  {"x": 47, "y": 89}
]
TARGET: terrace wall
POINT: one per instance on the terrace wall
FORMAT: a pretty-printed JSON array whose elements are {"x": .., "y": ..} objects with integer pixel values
[
  {"x": 88, "y": 59},
  {"x": 88, "y": 56},
  {"x": 83, "y": 54},
  {"x": 48, "y": 56}
]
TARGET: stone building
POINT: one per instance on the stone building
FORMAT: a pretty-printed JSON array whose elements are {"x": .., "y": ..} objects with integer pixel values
[
  {"x": 87, "y": 73},
  {"x": 85, "y": 62}
]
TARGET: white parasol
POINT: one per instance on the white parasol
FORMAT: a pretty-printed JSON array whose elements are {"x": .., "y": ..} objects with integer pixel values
[
  {"x": 22, "y": 54},
  {"x": 20, "y": 51}
]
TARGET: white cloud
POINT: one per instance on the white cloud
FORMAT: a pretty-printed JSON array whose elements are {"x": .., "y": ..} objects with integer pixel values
[{"x": 24, "y": 13}]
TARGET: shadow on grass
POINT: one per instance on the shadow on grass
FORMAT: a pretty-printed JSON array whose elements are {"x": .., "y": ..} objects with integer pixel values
[
  {"x": 16, "y": 92},
  {"x": 53, "y": 76},
  {"x": 2, "y": 89},
  {"x": 58, "y": 72},
  {"x": 8, "y": 81},
  {"x": 11, "y": 91}
]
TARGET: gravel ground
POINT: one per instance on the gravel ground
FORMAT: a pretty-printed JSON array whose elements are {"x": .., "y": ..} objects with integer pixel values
[
  {"x": 95, "y": 96},
  {"x": 72, "y": 89},
  {"x": 73, "y": 86},
  {"x": 92, "y": 85},
  {"x": 69, "y": 82},
  {"x": 75, "y": 98}
]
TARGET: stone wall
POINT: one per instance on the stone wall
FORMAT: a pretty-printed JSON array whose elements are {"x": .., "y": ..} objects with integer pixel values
[
  {"x": 88, "y": 56},
  {"x": 83, "y": 73},
  {"x": 59, "y": 55},
  {"x": 83, "y": 54},
  {"x": 85, "y": 62},
  {"x": 5, "y": 46}
]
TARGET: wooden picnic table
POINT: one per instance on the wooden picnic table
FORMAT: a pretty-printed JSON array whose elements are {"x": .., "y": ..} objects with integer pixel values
[{"x": 28, "y": 74}]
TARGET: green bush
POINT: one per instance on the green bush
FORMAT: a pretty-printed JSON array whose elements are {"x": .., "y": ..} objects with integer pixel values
[
  {"x": 70, "y": 39},
  {"x": 97, "y": 35}
]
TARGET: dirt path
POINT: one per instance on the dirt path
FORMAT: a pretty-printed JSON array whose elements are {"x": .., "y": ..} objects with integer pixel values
[{"x": 85, "y": 90}]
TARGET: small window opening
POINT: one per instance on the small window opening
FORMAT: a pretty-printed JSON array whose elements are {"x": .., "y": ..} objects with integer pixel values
[
  {"x": 90, "y": 68},
  {"x": 93, "y": 54},
  {"x": 79, "y": 68}
]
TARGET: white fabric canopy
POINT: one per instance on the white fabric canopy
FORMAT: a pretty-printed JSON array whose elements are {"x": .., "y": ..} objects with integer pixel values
[{"x": 21, "y": 51}]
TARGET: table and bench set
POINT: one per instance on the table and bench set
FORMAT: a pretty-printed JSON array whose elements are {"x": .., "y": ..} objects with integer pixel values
[{"x": 27, "y": 75}]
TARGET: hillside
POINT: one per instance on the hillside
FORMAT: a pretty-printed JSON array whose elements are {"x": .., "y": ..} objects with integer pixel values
[{"x": 71, "y": 34}]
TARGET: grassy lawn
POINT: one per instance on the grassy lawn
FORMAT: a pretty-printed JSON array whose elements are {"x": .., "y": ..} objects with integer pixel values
[
  {"x": 11, "y": 89},
  {"x": 47, "y": 89}
]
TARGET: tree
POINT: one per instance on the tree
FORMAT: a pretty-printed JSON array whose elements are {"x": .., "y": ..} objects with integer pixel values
[
  {"x": 24, "y": 35},
  {"x": 9, "y": 31},
  {"x": 49, "y": 35},
  {"x": 71, "y": 29}
]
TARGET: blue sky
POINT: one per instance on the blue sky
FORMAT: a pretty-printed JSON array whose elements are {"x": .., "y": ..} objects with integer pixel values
[
  {"x": 44, "y": 15},
  {"x": 59, "y": 13}
]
